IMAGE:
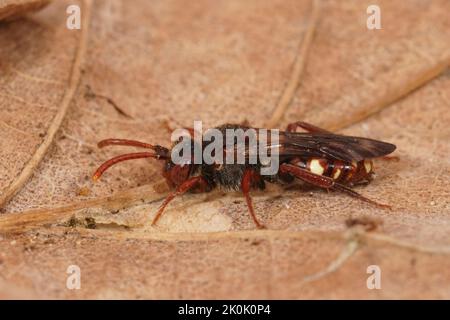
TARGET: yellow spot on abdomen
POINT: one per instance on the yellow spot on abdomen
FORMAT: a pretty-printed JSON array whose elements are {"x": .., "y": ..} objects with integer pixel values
[
  {"x": 336, "y": 174},
  {"x": 316, "y": 167},
  {"x": 368, "y": 166}
]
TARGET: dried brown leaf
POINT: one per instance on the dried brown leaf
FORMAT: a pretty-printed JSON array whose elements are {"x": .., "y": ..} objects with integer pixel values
[
  {"x": 33, "y": 156},
  {"x": 226, "y": 61},
  {"x": 11, "y": 9}
]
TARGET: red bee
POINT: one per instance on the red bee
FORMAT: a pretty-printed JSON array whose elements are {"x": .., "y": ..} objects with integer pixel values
[{"x": 317, "y": 157}]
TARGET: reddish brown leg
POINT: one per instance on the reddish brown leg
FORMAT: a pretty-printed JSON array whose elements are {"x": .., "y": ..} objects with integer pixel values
[
  {"x": 325, "y": 182},
  {"x": 307, "y": 176},
  {"x": 292, "y": 127},
  {"x": 124, "y": 157},
  {"x": 249, "y": 178},
  {"x": 355, "y": 194},
  {"x": 195, "y": 182}
]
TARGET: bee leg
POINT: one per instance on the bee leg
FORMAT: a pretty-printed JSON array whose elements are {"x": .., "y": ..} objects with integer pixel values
[
  {"x": 342, "y": 188},
  {"x": 195, "y": 182},
  {"x": 292, "y": 127},
  {"x": 249, "y": 178},
  {"x": 325, "y": 182},
  {"x": 307, "y": 176}
]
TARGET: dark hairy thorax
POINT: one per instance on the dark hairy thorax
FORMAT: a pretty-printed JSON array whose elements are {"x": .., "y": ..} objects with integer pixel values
[{"x": 228, "y": 175}]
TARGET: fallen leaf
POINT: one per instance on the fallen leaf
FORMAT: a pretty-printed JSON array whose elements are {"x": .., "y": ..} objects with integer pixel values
[
  {"x": 222, "y": 61},
  {"x": 11, "y": 9}
]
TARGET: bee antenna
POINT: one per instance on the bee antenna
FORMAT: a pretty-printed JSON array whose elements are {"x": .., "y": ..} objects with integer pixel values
[
  {"x": 124, "y": 157},
  {"x": 124, "y": 142}
]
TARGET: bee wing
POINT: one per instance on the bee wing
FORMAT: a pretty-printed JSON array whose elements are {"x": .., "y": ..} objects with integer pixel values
[
  {"x": 325, "y": 145},
  {"x": 329, "y": 145},
  {"x": 318, "y": 144}
]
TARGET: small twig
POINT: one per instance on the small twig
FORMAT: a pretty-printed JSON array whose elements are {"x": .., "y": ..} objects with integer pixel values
[
  {"x": 40, "y": 152},
  {"x": 396, "y": 92},
  {"x": 16, "y": 223}
]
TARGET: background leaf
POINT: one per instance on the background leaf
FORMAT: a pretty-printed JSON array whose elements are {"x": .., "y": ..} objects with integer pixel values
[
  {"x": 225, "y": 61},
  {"x": 11, "y": 9}
]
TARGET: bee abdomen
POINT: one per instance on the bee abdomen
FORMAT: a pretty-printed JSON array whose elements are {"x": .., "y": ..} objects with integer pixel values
[
  {"x": 339, "y": 171},
  {"x": 336, "y": 170}
]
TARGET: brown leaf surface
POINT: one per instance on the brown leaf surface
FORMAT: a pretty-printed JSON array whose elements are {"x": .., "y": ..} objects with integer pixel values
[
  {"x": 166, "y": 61},
  {"x": 12, "y": 9}
]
